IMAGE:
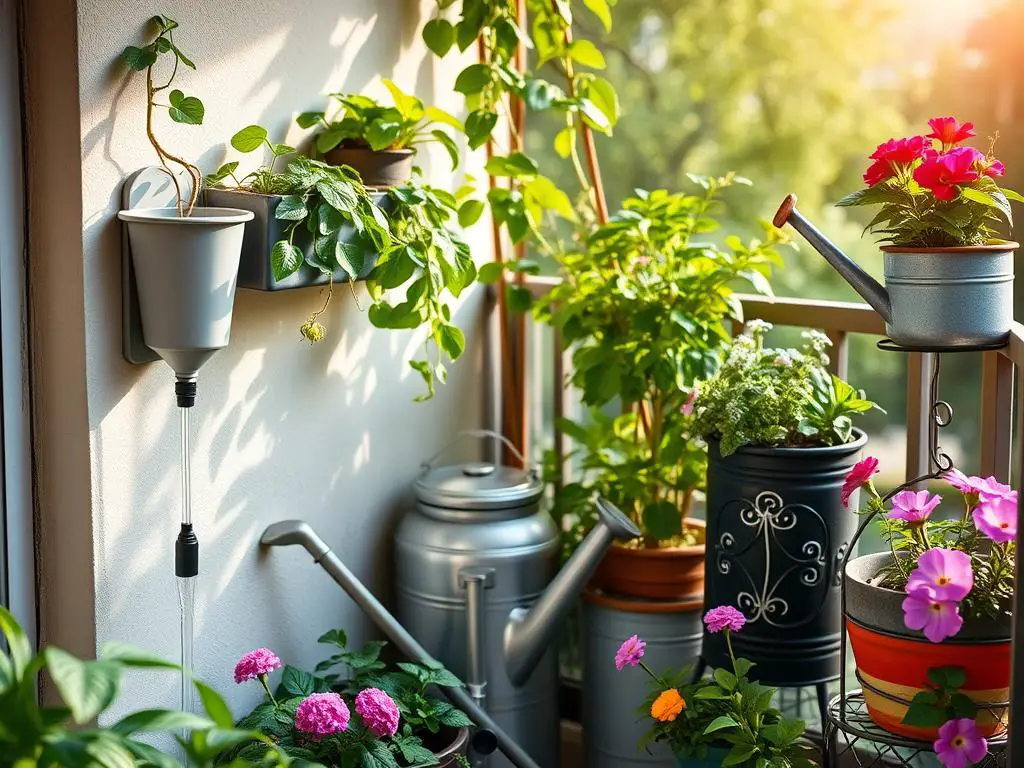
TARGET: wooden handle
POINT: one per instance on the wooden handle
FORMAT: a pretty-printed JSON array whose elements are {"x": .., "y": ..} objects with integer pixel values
[{"x": 782, "y": 215}]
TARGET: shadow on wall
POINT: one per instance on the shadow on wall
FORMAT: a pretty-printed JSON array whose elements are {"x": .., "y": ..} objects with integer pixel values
[{"x": 329, "y": 434}]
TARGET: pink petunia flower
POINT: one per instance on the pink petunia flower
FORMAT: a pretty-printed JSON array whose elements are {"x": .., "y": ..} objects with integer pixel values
[
  {"x": 724, "y": 617},
  {"x": 629, "y": 653},
  {"x": 938, "y": 619},
  {"x": 322, "y": 714},
  {"x": 996, "y": 517},
  {"x": 960, "y": 744},
  {"x": 975, "y": 487},
  {"x": 378, "y": 712},
  {"x": 859, "y": 477},
  {"x": 256, "y": 664},
  {"x": 913, "y": 507},
  {"x": 946, "y": 572},
  {"x": 949, "y": 131}
]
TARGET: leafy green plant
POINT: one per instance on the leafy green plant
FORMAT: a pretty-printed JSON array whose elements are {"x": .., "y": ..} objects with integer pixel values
[
  {"x": 263, "y": 180},
  {"x": 180, "y": 108},
  {"x": 643, "y": 308},
  {"x": 356, "y": 744},
  {"x": 942, "y": 700},
  {"x": 364, "y": 122},
  {"x": 61, "y": 736},
  {"x": 777, "y": 397}
]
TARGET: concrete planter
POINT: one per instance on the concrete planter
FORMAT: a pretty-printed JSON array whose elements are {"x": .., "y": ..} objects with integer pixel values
[
  {"x": 186, "y": 269},
  {"x": 777, "y": 532},
  {"x": 447, "y": 745},
  {"x": 893, "y": 661}
]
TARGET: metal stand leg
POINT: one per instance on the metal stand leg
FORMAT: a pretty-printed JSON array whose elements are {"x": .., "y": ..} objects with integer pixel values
[
  {"x": 821, "y": 689},
  {"x": 698, "y": 669}
]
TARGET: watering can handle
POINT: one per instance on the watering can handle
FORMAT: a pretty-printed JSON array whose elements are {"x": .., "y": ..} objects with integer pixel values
[
  {"x": 481, "y": 433},
  {"x": 785, "y": 210}
]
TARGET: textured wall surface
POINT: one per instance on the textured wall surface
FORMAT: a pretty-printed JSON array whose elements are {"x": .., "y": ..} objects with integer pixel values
[{"x": 330, "y": 433}]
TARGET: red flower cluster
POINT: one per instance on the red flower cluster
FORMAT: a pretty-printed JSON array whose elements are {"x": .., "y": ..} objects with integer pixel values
[{"x": 942, "y": 170}]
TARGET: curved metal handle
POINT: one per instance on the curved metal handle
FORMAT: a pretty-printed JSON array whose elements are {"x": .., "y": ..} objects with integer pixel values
[{"x": 428, "y": 465}]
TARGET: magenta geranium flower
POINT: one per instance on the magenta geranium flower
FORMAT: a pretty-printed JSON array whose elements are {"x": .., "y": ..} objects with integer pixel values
[
  {"x": 858, "y": 477},
  {"x": 629, "y": 653},
  {"x": 378, "y": 712},
  {"x": 949, "y": 130},
  {"x": 938, "y": 619},
  {"x": 996, "y": 517},
  {"x": 946, "y": 572},
  {"x": 913, "y": 507},
  {"x": 960, "y": 744},
  {"x": 321, "y": 714},
  {"x": 256, "y": 664},
  {"x": 724, "y": 617}
]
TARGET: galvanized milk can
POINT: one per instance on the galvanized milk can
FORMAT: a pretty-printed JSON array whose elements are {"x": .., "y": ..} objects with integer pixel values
[
  {"x": 478, "y": 586},
  {"x": 477, "y": 536}
]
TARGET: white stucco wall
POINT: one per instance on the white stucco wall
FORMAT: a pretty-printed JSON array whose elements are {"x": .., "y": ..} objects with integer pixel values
[{"x": 330, "y": 433}]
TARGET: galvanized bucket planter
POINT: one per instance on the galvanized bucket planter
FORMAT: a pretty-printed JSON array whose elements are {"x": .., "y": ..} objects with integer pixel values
[
  {"x": 611, "y": 726},
  {"x": 777, "y": 533}
]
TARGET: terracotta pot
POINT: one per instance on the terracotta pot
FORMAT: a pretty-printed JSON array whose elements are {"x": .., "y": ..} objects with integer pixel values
[
  {"x": 447, "y": 744},
  {"x": 384, "y": 168},
  {"x": 669, "y": 573},
  {"x": 893, "y": 661}
]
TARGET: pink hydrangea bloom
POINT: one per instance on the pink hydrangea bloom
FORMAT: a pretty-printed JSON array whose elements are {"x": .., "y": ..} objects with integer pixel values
[
  {"x": 724, "y": 617},
  {"x": 859, "y": 476},
  {"x": 945, "y": 572},
  {"x": 321, "y": 714},
  {"x": 256, "y": 663},
  {"x": 996, "y": 517},
  {"x": 913, "y": 507},
  {"x": 960, "y": 744},
  {"x": 629, "y": 653},
  {"x": 378, "y": 712},
  {"x": 938, "y": 619}
]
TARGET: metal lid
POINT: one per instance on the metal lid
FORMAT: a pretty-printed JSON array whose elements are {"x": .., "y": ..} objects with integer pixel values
[{"x": 478, "y": 485}]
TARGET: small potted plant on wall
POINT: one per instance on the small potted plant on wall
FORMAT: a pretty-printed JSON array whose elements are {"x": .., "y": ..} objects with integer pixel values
[
  {"x": 948, "y": 272},
  {"x": 780, "y": 436},
  {"x": 930, "y": 620},
  {"x": 183, "y": 256},
  {"x": 643, "y": 307},
  {"x": 377, "y": 140},
  {"x": 396, "y": 720}
]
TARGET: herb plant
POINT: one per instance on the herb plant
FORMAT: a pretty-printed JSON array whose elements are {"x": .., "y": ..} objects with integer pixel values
[
  {"x": 180, "y": 108},
  {"x": 643, "y": 307},
  {"x": 777, "y": 397},
  {"x": 934, "y": 191},
  {"x": 264, "y": 180},
  {"x": 727, "y": 711},
  {"x": 363, "y": 122},
  {"x": 62, "y": 736},
  {"x": 392, "y": 709}
]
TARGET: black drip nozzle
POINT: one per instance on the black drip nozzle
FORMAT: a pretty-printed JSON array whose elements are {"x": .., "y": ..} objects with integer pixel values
[
  {"x": 186, "y": 553},
  {"x": 185, "y": 391}
]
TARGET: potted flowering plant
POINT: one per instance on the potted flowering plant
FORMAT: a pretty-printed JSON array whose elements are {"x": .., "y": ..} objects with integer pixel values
[
  {"x": 941, "y": 209},
  {"x": 377, "y": 140},
  {"x": 929, "y": 620},
  {"x": 726, "y": 719},
  {"x": 397, "y": 721},
  {"x": 780, "y": 436}
]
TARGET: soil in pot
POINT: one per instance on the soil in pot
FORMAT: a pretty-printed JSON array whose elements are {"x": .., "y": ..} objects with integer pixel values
[
  {"x": 447, "y": 744},
  {"x": 380, "y": 168},
  {"x": 893, "y": 661},
  {"x": 662, "y": 573}
]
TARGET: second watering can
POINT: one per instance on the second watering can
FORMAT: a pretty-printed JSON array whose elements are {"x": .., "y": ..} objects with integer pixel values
[
  {"x": 478, "y": 586},
  {"x": 934, "y": 298}
]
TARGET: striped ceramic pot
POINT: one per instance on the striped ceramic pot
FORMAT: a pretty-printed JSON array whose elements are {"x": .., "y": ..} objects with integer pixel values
[{"x": 893, "y": 661}]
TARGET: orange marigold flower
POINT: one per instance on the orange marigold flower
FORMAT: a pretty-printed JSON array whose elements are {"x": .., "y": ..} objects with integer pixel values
[{"x": 668, "y": 706}]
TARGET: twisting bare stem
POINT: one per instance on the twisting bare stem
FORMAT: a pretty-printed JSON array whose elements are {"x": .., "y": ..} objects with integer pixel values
[{"x": 195, "y": 175}]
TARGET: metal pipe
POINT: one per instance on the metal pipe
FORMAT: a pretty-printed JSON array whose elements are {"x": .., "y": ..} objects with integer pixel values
[
  {"x": 475, "y": 581},
  {"x": 288, "y": 532}
]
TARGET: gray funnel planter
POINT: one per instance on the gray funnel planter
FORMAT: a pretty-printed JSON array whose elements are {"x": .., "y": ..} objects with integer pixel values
[
  {"x": 776, "y": 534},
  {"x": 186, "y": 269}
]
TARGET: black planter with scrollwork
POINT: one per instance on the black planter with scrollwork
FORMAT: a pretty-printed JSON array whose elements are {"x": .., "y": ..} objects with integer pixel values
[{"x": 776, "y": 534}]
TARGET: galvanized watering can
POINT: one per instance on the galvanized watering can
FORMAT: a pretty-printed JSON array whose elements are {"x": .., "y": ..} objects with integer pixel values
[{"x": 933, "y": 298}]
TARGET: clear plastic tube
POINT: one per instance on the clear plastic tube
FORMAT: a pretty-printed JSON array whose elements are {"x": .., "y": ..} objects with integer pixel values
[
  {"x": 187, "y": 601},
  {"x": 186, "y": 468}
]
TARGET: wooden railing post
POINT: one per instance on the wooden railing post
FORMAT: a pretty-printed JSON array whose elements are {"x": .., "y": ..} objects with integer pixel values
[
  {"x": 919, "y": 413},
  {"x": 996, "y": 414},
  {"x": 839, "y": 358}
]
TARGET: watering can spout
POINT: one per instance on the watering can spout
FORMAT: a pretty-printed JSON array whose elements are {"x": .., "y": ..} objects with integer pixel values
[
  {"x": 529, "y": 631},
  {"x": 864, "y": 284}
]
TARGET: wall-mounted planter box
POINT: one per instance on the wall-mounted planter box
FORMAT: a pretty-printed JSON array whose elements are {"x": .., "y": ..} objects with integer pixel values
[{"x": 254, "y": 270}]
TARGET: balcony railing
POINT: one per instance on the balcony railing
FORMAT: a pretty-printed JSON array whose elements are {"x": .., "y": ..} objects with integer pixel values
[{"x": 547, "y": 397}]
